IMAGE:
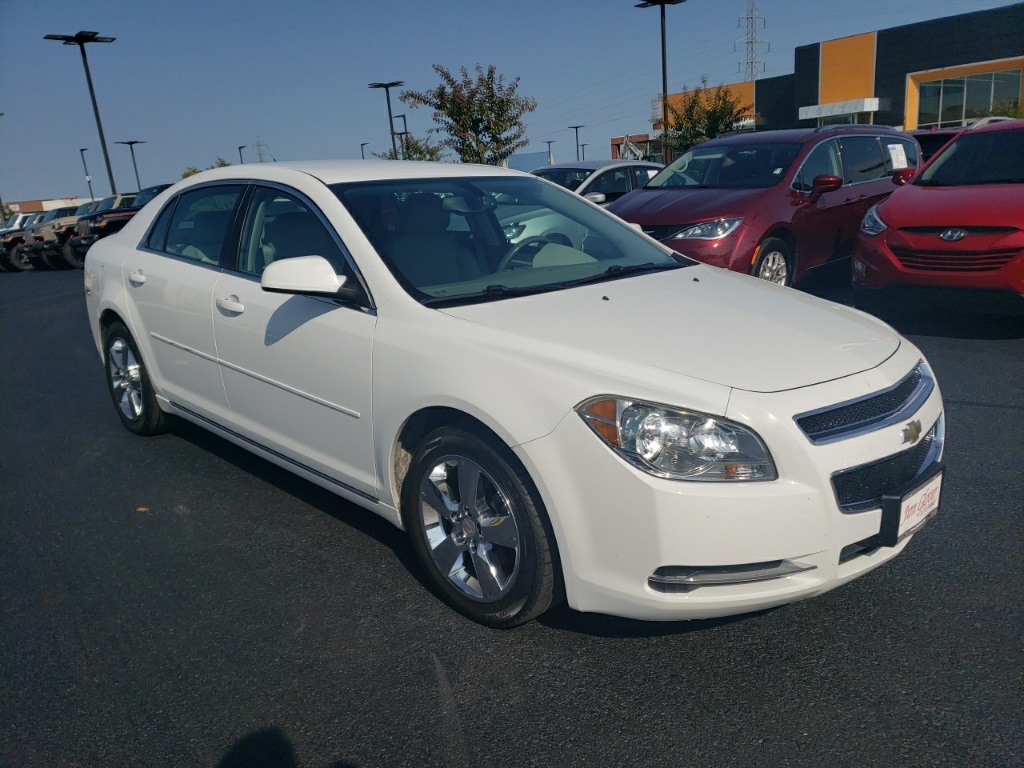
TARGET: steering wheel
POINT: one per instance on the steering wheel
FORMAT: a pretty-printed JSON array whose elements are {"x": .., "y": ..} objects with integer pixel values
[{"x": 533, "y": 241}]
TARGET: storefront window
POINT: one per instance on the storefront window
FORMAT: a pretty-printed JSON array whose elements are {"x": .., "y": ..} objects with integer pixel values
[{"x": 957, "y": 101}]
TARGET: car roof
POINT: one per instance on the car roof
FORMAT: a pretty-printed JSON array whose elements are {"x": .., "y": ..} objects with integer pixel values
[
  {"x": 593, "y": 165},
  {"x": 794, "y": 135},
  {"x": 1001, "y": 125},
  {"x": 339, "y": 171}
]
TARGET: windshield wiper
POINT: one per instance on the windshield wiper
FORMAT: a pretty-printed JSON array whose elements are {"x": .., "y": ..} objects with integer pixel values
[
  {"x": 616, "y": 271},
  {"x": 490, "y": 293}
]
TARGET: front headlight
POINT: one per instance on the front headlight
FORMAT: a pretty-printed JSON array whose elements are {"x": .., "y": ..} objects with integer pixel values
[
  {"x": 708, "y": 230},
  {"x": 678, "y": 444},
  {"x": 872, "y": 223}
]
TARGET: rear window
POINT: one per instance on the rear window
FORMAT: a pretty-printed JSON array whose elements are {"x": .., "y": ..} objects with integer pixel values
[{"x": 862, "y": 159}]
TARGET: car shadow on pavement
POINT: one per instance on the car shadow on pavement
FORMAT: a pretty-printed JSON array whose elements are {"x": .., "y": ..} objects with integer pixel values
[
  {"x": 266, "y": 748},
  {"x": 357, "y": 518},
  {"x": 565, "y": 619}
]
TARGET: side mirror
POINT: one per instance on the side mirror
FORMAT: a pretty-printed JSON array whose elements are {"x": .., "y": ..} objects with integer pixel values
[
  {"x": 902, "y": 175},
  {"x": 596, "y": 197},
  {"x": 312, "y": 275},
  {"x": 823, "y": 184}
]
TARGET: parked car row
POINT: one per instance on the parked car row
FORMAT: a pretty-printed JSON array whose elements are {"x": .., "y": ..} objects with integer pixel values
[{"x": 60, "y": 238}]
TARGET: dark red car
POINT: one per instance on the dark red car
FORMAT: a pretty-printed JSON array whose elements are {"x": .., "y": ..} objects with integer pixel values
[
  {"x": 775, "y": 204},
  {"x": 959, "y": 223}
]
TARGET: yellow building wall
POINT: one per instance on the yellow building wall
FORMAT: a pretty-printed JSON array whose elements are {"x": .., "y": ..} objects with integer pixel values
[
  {"x": 914, "y": 80},
  {"x": 847, "y": 69},
  {"x": 743, "y": 91}
]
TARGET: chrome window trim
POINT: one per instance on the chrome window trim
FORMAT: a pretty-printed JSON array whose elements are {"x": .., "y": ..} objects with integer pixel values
[{"x": 910, "y": 406}]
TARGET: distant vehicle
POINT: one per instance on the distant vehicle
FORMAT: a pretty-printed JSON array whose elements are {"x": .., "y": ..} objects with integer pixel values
[
  {"x": 958, "y": 224},
  {"x": 92, "y": 226},
  {"x": 11, "y": 241},
  {"x": 600, "y": 181},
  {"x": 775, "y": 204},
  {"x": 31, "y": 252}
]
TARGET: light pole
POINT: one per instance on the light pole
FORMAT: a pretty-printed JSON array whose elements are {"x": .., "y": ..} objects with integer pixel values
[
  {"x": 583, "y": 148},
  {"x": 2, "y": 216},
  {"x": 362, "y": 149},
  {"x": 577, "y": 129},
  {"x": 387, "y": 94},
  {"x": 131, "y": 145},
  {"x": 240, "y": 148},
  {"x": 81, "y": 39},
  {"x": 88, "y": 178},
  {"x": 403, "y": 134},
  {"x": 664, "y": 73},
  {"x": 551, "y": 157}
]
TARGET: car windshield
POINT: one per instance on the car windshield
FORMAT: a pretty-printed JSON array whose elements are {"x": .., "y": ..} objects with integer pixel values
[
  {"x": 147, "y": 194},
  {"x": 106, "y": 204},
  {"x": 570, "y": 178},
  {"x": 126, "y": 201},
  {"x": 472, "y": 239},
  {"x": 992, "y": 157},
  {"x": 756, "y": 165}
]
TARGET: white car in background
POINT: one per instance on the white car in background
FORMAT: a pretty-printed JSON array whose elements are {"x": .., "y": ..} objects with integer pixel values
[{"x": 605, "y": 422}]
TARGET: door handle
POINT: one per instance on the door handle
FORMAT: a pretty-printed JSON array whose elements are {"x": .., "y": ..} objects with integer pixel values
[
  {"x": 136, "y": 277},
  {"x": 231, "y": 304}
]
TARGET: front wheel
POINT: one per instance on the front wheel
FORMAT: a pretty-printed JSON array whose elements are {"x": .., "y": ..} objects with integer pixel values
[
  {"x": 129, "y": 384},
  {"x": 17, "y": 261},
  {"x": 774, "y": 262},
  {"x": 72, "y": 257},
  {"x": 479, "y": 528}
]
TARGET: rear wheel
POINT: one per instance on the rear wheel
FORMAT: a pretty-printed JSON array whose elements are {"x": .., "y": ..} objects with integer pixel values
[
  {"x": 479, "y": 528},
  {"x": 129, "y": 384},
  {"x": 774, "y": 262}
]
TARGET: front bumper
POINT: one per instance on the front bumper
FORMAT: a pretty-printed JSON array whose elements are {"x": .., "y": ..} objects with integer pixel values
[
  {"x": 735, "y": 251},
  {"x": 619, "y": 529}
]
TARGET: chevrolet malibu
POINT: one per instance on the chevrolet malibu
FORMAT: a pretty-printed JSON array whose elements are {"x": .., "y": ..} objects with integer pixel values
[{"x": 607, "y": 423}]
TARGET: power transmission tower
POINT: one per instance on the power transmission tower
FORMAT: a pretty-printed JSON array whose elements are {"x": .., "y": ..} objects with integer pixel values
[
  {"x": 754, "y": 66},
  {"x": 260, "y": 146}
]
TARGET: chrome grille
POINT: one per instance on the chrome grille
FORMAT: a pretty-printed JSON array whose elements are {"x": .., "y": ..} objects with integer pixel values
[
  {"x": 862, "y": 488},
  {"x": 866, "y": 414}
]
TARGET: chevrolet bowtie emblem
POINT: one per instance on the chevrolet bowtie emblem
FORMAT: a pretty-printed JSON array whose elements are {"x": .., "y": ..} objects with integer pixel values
[{"x": 912, "y": 432}]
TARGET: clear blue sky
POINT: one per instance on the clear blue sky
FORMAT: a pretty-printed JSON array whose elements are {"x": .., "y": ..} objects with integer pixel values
[{"x": 196, "y": 79}]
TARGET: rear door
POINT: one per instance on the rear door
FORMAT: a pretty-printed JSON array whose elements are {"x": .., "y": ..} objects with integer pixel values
[
  {"x": 169, "y": 281},
  {"x": 867, "y": 179}
]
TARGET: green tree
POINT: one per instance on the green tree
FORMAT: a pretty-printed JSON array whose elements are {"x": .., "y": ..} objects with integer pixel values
[
  {"x": 192, "y": 170},
  {"x": 415, "y": 149},
  {"x": 1013, "y": 109},
  {"x": 702, "y": 114},
  {"x": 481, "y": 117}
]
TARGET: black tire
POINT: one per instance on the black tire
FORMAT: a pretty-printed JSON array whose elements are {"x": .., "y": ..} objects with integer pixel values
[
  {"x": 72, "y": 257},
  {"x": 775, "y": 262},
  {"x": 16, "y": 261},
  {"x": 55, "y": 260},
  {"x": 129, "y": 385},
  {"x": 504, "y": 527}
]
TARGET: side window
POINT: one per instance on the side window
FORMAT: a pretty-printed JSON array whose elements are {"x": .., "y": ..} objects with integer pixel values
[
  {"x": 641, "y": 175},
  {"x": 822, "y": 161},
  {"x": 899, "y": 153},
  {"x": 200, "y": 222},
  {"x": 157, "y": 239},
  {"x": 279, "y": 225},
  {"x": 613, "y": 184},
  {"x": 862, "y": 159}
]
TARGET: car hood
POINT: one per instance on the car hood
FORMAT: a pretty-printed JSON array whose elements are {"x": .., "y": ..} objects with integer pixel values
[
  {"x": 699, "y": 322},
  {"x": 683, "y": 205},
  {"x": 977, "y": 205}
]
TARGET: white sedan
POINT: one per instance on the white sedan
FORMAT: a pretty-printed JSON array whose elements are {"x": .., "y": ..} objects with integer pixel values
[{"x": 603, "y": 422}]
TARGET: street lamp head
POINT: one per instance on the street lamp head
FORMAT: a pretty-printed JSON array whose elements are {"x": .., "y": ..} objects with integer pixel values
[
  {"x": 392, "y": 84},
  {"x": 81, "y": 38},
  {"x": 652, "y": 3},
  {"x": 131, "y": 143}
]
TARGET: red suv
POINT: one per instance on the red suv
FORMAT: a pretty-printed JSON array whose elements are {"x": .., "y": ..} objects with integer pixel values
[
  {"x": 959, "y": 223},
  {"x": 775, "y": 204}
]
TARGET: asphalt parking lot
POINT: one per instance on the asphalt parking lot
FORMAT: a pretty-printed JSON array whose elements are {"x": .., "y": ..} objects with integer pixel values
[{"x": 177, "y": 601}]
